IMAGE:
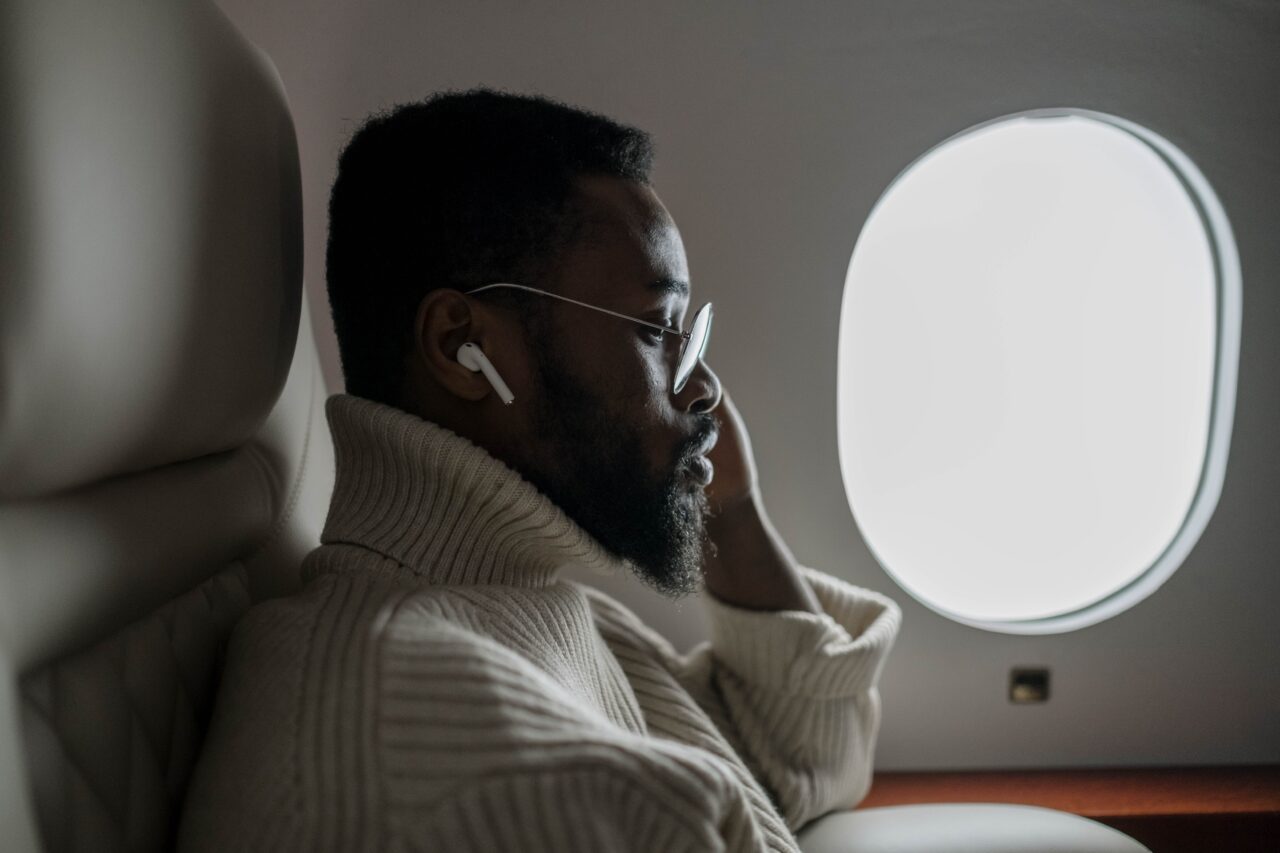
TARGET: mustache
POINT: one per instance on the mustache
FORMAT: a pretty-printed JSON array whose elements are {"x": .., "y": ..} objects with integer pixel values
[{"x": 704, "y": 438}]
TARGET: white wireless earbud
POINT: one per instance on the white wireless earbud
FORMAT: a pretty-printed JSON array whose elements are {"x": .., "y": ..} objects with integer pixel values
[{"x": 472, "y": 357}]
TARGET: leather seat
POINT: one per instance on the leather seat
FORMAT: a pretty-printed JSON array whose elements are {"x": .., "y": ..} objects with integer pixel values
[
  {"x": 164, "y": 456},
  {"x": 962, "y": 828}
]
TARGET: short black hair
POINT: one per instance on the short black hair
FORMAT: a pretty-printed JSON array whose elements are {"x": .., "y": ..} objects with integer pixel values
[{"x": 458, "y": 190}]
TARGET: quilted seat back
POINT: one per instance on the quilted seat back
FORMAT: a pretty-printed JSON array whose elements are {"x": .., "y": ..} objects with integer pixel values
[{"x": 164, "y": 456}]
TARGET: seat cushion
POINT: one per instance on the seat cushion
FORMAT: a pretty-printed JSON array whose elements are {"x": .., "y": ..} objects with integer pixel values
[
  {"x": 112, "y": 732},
  {"x": 962, "y": 828}
]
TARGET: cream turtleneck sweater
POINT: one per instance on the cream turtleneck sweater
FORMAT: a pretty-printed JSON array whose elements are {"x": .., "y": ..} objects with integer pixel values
[{"x": 435, "y": 686}]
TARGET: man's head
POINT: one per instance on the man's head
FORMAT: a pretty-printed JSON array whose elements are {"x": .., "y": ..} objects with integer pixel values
[{"x": 466, "y": 189}]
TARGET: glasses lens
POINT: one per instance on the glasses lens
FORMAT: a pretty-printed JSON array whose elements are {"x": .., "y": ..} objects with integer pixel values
[{"x": 695, "y": 345}]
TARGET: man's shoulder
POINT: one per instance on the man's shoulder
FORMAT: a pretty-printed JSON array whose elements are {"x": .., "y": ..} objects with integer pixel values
[
  {"x": 618, "y": 624},
  {"x": 445, "y": 653},
  {"x": 280, "y": 621}
]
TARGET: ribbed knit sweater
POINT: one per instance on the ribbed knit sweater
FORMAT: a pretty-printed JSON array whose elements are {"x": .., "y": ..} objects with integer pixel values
[{"x": 435, "y": 686}]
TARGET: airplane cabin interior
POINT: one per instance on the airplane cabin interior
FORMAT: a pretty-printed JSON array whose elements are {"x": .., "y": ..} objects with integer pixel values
[{"x": 995, "y": 290}]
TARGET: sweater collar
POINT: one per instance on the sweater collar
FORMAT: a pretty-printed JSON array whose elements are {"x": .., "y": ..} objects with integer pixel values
[{"x": 441, "y": 506}]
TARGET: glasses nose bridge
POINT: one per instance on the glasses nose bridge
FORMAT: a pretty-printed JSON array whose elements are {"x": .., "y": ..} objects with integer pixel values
[
  {"x": 682, "y": 339},
  {"x": 678, "y": 381}
]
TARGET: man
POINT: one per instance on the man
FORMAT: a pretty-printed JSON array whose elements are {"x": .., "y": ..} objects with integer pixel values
[{"x": 435, "y": 686}]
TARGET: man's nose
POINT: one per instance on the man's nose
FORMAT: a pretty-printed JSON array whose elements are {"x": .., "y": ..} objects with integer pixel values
[{"x": 701, "y": 393}]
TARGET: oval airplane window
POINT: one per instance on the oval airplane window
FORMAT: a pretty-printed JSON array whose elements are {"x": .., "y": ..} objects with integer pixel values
[{"x": 1036, "y": 379}]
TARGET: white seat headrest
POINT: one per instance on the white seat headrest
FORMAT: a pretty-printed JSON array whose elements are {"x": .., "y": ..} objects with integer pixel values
[{"x": 152, "y": 255}]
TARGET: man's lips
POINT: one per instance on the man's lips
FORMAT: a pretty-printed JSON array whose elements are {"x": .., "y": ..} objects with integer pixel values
[
  {"x": 701, "y": 470},
  {"x": 709, "y": 443},
  {"x": 698, "y": 466}
]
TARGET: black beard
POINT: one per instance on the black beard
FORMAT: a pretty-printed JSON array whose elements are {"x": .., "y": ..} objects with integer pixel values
[{"x": 598, "y": 475}]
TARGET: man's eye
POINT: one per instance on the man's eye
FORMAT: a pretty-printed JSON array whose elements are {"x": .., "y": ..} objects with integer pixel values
[{"x": 654, "y": 335}]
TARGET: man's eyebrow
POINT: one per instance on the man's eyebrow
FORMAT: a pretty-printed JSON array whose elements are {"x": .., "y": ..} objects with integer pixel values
[{"x": 672, "y": 286}]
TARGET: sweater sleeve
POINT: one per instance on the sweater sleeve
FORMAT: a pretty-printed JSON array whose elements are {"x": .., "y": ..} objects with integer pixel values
[
  {"x": 610, "y": 803},
  {"x": 796, "y": 692}
]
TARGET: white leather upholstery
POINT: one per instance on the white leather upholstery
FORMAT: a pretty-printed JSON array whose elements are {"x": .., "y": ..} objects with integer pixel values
[
  {"x": 164, "y": 456},
  {"x": 962, "y": 828}
]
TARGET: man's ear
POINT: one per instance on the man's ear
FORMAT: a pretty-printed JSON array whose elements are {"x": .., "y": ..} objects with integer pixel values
[{"x": 445, "y": 321}]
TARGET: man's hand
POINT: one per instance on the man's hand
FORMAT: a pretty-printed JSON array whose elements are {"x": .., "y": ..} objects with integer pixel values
[
  {"x": 735, "y": 477},
  {"x": 748, "y": 564}
]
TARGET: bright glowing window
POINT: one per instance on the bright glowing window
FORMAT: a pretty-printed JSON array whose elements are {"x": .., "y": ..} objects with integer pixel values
[{"x": 1038, "y": 345}]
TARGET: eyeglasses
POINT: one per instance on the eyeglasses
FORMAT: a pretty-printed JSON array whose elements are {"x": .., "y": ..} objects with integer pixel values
[{"x": 692, "y": 345}]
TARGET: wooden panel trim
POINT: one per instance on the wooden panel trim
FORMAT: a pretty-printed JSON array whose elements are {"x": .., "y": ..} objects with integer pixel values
[{"x": 1093, "y": 792}]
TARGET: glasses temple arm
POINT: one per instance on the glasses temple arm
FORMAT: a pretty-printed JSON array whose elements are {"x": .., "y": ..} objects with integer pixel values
[{"x": 585, "y": 305}]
